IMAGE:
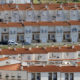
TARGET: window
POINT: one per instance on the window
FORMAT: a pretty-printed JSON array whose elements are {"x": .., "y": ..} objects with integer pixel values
[
  {"x": 36, "y": 36},
  {"x": 79, "y": 55},
  {"x": 29, "y": 57},
  {"x": 38, "y": 77},
  {"x": 74, "y": 30},
  {"x": 12, "y": 32},
  {"x": 7, "y": 76},
  {"x": 39, "y": 57},
  {"x": 59, "y": 31},
  {"x": 52, "y": 36},
  {"x": 71, "y": 76},
  {"x": 38, "y": 17},
  {"x": 28, "y": 31},
  {"x": 43, "y": 31},
  {"x": 67, "y": 36},
  {"x": 55, "y": 76},
  {"x": 12, "y": 77},
  {"x": 50, "y": 76},
  {"x": 0, "y": 76},
  {"x": 19, "y": 77},
  {"x": 66, "y": 76},
  {"x": 5, "y": 30},
  {"x": 33, "y": 76},
  {"x": 7, "y": 62}
]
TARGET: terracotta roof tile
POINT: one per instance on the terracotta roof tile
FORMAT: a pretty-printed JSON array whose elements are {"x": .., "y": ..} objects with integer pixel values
[
  {"x": 13, "y": 67},
  {"x": 73, "y": 22},
  {"x": 4, "y": 58},
  {"x": 41, "y": 68},
  {"x": 43, "y": 50},
  {"x": 52, "y": 68},
  {"x": 10, "y": 24}
]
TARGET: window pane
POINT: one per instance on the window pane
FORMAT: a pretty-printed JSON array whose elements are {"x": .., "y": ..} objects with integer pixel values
[
  {"x": 38, "y": 76},
  {"x": 66, "y": 76},
  {"x": 33, "y": 76},
  {"x": 55, "y": 76},
  {"x": 71, "y": 76},
  {"x": 50, "y": 76}
]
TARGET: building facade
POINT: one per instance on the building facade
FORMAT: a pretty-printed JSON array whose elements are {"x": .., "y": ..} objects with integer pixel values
[
  {"x": 40, "y": 63},
  {"x": 40, "y": 32}
]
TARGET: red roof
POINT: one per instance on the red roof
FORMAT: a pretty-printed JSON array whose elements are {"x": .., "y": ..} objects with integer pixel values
[
  {"x": 67, "y": 6},
  {"x": 13, "y": 67},
  {"x": 42, "y": 50},
  {"x": 52, "y": 68},
  {"x": 4, "y": 58}
]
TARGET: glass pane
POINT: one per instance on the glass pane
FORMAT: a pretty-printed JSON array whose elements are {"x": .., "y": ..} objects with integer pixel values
[{"x": 50, "y": 76}]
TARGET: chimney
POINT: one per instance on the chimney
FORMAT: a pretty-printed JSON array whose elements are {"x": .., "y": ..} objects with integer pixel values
[
  {"x": 14, "y": 49},
  {"x": 0, "y": 49},
  {"x": 27, "y": 65},
  {"x": 37, "y": 46},
  {"x": 44, "y": 47},
  {"x": 46, "y": 6},
  {"x": 60, "y": 65},
  {"x": 21, "y": 67},
  {"x": 17, "y": 7},
  {"x": 6, "y": 22},
  {"x": 23, "y": 46},
  {"x": 52, "y": 45},
  {"x": 73, "y": 46},
  {"x": 79, "y": 44},
  {"x": 44, "y": 65},
  {"x": 9, "y": 48},
  {"x": 59, "y": 47},
  {"x": 76, "y": 65},
  {"x": 61, "y": 6},
  {"x": 30, "y": 48},
  {"x": 65, "y": 45}
]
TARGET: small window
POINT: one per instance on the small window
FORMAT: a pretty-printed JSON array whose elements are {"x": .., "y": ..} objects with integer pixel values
[
  {"x": 7, "y": 62},
  {"x": 38, "y": 76},
  {"x": 66, "y": 76},
  {"x": 50, "y": 76},
  {"x": 7, "y": 76},
  {"x": 5, "y": 30},
  {"x": 13, "y": 77},
  {"x": 33, "y": 76},
  {"x": 55, "y": 76},
  {"x": 29, "y": 57},
  {"x": 71, "y": 76},
  {"x": 0, "y": 76},
  {"x": 74, "y": 30},
  {"x": 19, "y": 77}
]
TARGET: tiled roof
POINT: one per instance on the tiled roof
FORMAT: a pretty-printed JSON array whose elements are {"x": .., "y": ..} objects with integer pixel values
[
  {"x": 55, "y": 23},
  {"x": 52, "y": 68},
  {"x": 13, "y": 67},
  {"x": 4, "y": 58},
  {"x": 67, "y": 6},
  {"x": 41, "y": 68},
  {"x": 10, "y": 24},
  {"x": 38, "y": 24},
  {"x": 43, "y": 50}
]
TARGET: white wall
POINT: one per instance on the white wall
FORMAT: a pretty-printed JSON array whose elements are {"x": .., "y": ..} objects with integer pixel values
[
  {"x": 13, "y": 33},
  {"x": 44, "y": 76},
  {"x": 74, "y": 35},
  {"x": 77, "y": 76},
  {"x": 23, "y": 74},
  {"x": 59, "y": 33},
  {"x": 28, "y": 34},
  {"x": 43, "y": 34}
]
